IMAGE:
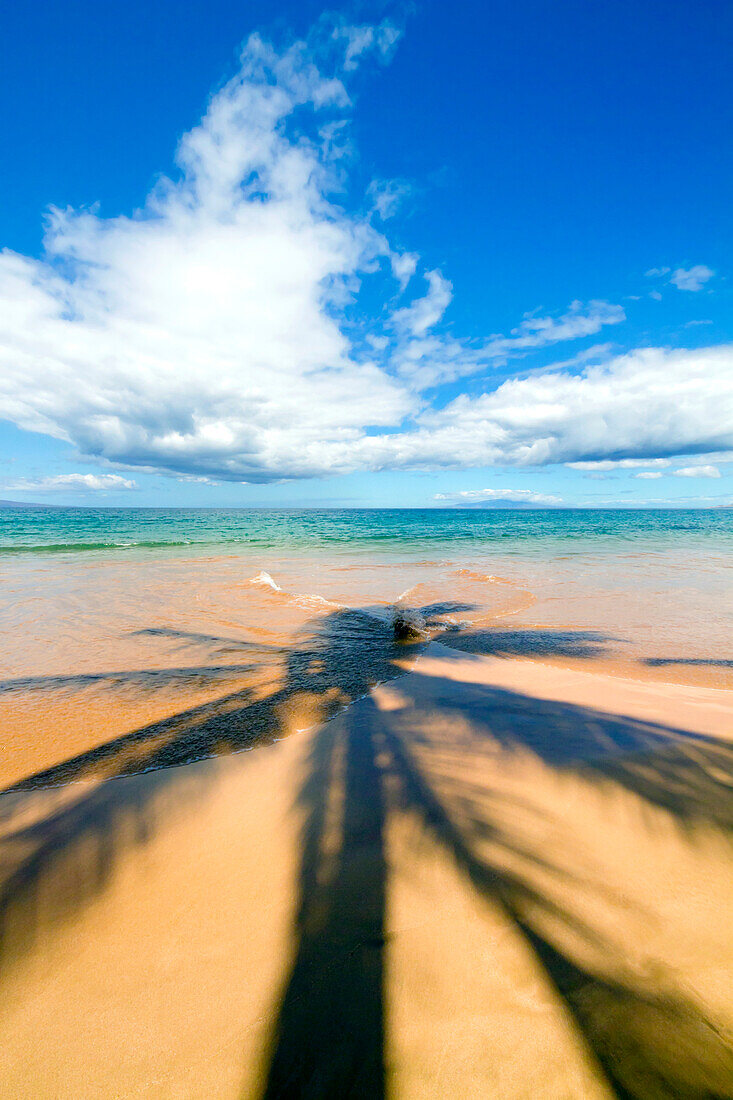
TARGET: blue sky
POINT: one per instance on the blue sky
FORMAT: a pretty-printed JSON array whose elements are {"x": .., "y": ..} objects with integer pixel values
[{"x": 425, "y": 255}]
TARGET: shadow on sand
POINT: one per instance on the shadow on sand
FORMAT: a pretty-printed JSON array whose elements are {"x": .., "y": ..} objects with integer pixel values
[
  {"x": 647, "y": 1039},
  {"x": 328, "y": 1038}
]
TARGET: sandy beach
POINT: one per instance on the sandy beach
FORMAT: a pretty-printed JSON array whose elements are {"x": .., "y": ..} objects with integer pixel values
[{"x": 486, "y": 877}]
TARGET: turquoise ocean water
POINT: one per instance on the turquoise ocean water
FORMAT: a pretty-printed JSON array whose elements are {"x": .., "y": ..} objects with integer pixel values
[{"x": 109, "y": 530}]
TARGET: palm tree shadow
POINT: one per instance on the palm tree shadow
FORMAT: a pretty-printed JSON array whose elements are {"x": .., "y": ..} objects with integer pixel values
[{"x": 328, "y": 1038}]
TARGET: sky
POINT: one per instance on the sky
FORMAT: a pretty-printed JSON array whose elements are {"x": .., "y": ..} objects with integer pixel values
[{"x": 386, "y": 254}]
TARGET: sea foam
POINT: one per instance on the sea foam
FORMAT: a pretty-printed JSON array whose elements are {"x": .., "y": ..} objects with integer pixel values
[{"x": 266, "y": 580}]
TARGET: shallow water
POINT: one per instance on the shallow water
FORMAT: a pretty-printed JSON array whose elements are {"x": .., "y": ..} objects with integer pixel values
[{"x": 175, "y": 610}]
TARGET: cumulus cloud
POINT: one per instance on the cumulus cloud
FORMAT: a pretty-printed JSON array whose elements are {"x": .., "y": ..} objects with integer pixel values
[
  {"x": 694, "y": 278},
  {"x": 201, "y": 336},
  {"x": 496, "y": 496},
  {"x": 649, "y": 403},
  {"x": 221, "y": 331},
  {"x": 697, "y": 471},
  {"x": 84, "y": 483},
  {"x": 652, "y": 468}
]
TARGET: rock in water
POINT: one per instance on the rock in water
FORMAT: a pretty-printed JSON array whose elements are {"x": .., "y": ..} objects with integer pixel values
[{"x": 409, "y": 625}]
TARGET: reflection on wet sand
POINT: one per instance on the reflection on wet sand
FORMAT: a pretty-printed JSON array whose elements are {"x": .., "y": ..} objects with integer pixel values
[{"x": 294, "y": 921}]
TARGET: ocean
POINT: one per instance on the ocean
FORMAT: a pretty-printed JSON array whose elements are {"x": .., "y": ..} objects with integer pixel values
[{"x": 76, "y": 530}]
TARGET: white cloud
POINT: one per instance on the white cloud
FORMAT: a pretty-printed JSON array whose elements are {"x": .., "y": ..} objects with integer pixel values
[
  {"x": 425, "y": 360},
  {"x": 200, "y": 336},
  {"x": 652, "y": 468},
  {"x": 697, "y": 471},
  {"x": 388, "y": 195},
  {"x": 83, "y": 483},
  {"x": 424, "y": 313},
  {"x": 596, "y": 353},
  {"x": 489, "y": 496},
  {"x": 649, "y": 403},
  {"x": 618, "y": 464},
  {"x": 535, "y": 332},
  {"x": 714, "y": 458},
  {"x": 361, "y": 39},
  {"x": 219, "y": 332},
  {"x": 404, "y": 266},
  {"x": 694, "y": 278}
]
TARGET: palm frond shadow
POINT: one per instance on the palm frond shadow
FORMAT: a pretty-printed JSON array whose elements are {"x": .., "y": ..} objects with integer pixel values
[
  {"x": 648, "y": 1039},
  {"x": 530, "y": 642},
  {"x": 699, "y": 662}
]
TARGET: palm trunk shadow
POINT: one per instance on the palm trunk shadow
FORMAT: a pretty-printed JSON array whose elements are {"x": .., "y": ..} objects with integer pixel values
[{"x": 328, "y": 1039}]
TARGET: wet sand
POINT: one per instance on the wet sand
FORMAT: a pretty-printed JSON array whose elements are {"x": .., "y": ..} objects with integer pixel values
[{"x": 486, "y": 877}]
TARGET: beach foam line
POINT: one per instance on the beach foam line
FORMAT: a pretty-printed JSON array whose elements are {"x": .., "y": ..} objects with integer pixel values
[{"x": 302, "y": 599}]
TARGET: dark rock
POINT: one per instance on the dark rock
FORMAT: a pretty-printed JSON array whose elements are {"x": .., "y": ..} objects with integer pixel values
[{"x": 409, "y": 625}]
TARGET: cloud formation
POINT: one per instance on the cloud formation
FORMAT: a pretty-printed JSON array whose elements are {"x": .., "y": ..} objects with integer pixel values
[
  {"x": 496, "y": 496},
  {"x": 387, "y": 196},
  {"x": 698, "y": 471},
  {"x": 618, "y": 464},
  {"x": 649, "y": 403},
  {"x": 84, "y": 483},
  {"x": 694, "y": 278},
  {"x": 220, "y": 332}
]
